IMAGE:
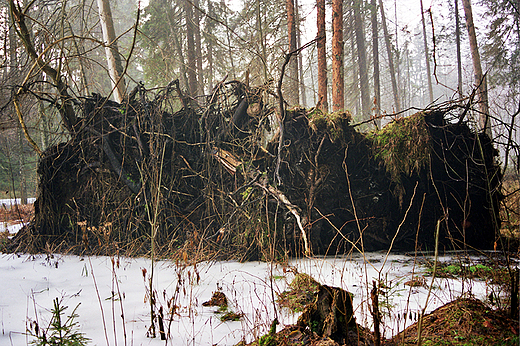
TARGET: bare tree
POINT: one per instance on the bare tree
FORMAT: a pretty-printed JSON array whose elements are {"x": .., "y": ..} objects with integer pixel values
[
  {"x": 293, "y": 85},
  {"x": 480, "y": 79},
  {"x": 362, "y": 59},
  {"x": 338, "y": 100},
  {"x": 300, "y": 56},
  {"x": 198, "y": 47},
  {"x": 390, "y": 58},
  {"x": 322, "y": 57},
  {"x": 115, "y": 68},
  {"x": 457, "y": 40},
  {"x": 375, "y": 54},
  {"x": 427, "y": 55},
  {"x": 192, "y": 61}
]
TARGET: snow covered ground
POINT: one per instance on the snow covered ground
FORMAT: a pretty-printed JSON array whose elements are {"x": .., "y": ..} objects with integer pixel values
[
  {"x": 114, "y": 301},
  {"x": 9, "y": 202}
]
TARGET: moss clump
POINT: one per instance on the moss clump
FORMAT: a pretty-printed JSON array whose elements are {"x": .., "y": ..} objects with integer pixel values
[
  {"x": 404, "y": 145},
  {"x": 331, "y": 123},
  {"x": 300, "y": 294},
  {"x": 231, "y": 316}
]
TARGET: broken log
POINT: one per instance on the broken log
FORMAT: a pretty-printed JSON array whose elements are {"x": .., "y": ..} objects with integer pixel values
[{"x": 331, "y": 315}]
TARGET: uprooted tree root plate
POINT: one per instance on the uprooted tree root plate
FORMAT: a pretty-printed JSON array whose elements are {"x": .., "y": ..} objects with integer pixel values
[{"x": 224, "y": 180}]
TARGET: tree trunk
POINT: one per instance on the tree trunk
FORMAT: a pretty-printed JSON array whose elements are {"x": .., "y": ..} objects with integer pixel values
[
  {"x": 178, "y": 48},
  {"x": 390, "y": 59},
  {"x": 375, "y": 54},
  {"x": 198, "y": 48},
  {"x": 192, "y": 63},
  {"x": 322, "y": 57},
  {"x": 293, "y": 85},
  {"x": 362, "y": 59},
  {"x": 22, "y": 172},
  {"x": 115, "y": 68},
  {"x": 338, "y": 100},
  {"x": 230, "y": 51},
  {"x": 183, "y": 72},
  {"x": 480, "y": 80},
  {"x": 210, "y": 47},
  {"x": 457, "y": 41},
  {"x": 261, "y": 39},
  {"x": 300, "y": 56},
  {"x": 427, "y": 55},
  {"x": 353, "y": 94}
]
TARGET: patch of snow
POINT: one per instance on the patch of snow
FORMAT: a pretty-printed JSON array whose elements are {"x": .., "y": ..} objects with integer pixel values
[
  {"x": 30, "y": 284},
  {"x": 11, "y": 228},
  {"x": 10, "y": 202}
]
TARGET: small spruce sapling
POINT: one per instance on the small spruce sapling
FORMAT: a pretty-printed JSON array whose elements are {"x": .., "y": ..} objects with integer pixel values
[{"x": 60, "y": 332}]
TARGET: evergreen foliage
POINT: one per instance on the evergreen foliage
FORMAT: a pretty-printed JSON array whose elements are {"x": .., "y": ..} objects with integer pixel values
[{"x": 61, "y": 331}]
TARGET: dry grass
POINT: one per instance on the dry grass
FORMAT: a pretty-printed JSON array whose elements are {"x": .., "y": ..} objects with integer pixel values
[
  {"x": 17, "y": 213},
  {"x": 510, "y": 209}
]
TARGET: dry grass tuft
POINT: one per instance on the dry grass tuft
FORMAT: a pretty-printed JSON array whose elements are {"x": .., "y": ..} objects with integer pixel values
[{"x": 17, "y": 213}]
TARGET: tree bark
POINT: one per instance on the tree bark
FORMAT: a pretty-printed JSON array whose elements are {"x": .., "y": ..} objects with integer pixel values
[
  {"x": 22, "y": 171},
  {"x": 178, "y": 48},
  {"x": 322, "y": 57},
  {"x": 210, "y": 47},
  {"x": 338, "y": 100},
  {"x": 115, "y": 68},
  {"x": 390, "y": 59},
  {"x": 480, "y": 79},
  {"x": 427, "y": 55},
  {"x": 362, "y": 60},
  {"x": 353, "y": 95},
  {"x": 457, "y": 41},
  {"x": 300, "y": 56},
  {"x": 192, "y": 63},
  {"x": 261, "y": 39},
  {"x": 375, "y": 54},
  {"x": 198, "y": 48},
  {"x": 293, "y": 85}
]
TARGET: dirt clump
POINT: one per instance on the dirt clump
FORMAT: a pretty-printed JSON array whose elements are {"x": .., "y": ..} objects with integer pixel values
[{"x": 465, "y": 321}]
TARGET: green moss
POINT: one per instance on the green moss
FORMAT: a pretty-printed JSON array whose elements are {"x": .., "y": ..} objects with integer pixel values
[
  {"x": 300, "y": 294},
  {"x": 403, "y": 146},
  {"x": 231, "y": 316},
  {"x": 331, "y": 123}
]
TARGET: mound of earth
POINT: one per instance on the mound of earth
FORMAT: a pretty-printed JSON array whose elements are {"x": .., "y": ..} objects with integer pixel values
[{"x": 465, "y": 321}]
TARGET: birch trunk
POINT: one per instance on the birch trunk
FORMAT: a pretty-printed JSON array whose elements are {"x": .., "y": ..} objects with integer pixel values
[
  {"x": 480, "y": 79},
  {"x": 115, "y": 68}
]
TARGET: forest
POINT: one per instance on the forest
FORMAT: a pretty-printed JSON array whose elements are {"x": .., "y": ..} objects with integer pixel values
[
  {"x": 119, "y": 117},
  {"x": 254, "y": 130}
]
